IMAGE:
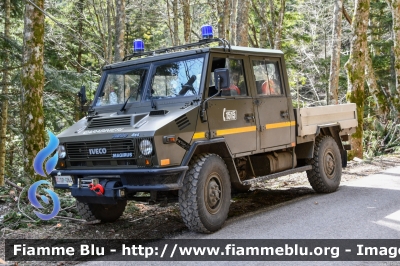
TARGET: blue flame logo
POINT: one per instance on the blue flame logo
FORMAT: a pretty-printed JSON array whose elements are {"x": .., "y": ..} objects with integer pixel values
[
  {"x": 43, "y": 154},
  {"x": 38, "y": 166},
  {"x": 32, "y": 198}
]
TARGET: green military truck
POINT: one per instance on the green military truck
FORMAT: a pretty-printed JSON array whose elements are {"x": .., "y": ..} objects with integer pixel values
[{"x": 203, "y": 122}]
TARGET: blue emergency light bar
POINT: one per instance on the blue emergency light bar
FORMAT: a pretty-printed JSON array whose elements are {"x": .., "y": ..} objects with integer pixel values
[
  {"x": 207, "y": 32},
  {"x": 138, "y": 46},
  {"x": 207, "y": 35}
]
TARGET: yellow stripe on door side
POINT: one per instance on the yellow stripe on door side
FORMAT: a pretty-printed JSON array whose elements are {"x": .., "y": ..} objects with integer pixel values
[
  {"x": 199, "y": 135},
  {"x": 237, "y": 130},
  {"x": 221, "y": 132},
  {"x": 279, "y": 125}
]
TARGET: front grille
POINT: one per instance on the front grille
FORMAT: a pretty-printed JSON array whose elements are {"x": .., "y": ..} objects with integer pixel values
[
  {"x": 110, "y": 122},
  {"x": 109, "y": 149}
]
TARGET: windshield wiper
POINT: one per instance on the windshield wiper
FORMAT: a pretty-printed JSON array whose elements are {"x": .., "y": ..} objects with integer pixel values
[
  {"x": 152, "y": 102},
  {"x": 123, "y": 106}
]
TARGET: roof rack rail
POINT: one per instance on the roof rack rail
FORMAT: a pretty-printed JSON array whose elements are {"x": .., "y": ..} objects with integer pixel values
[{"x": 225, "y": 43}]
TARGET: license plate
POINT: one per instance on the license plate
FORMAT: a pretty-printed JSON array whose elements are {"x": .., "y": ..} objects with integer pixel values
[{"x": 63, "y": 179}]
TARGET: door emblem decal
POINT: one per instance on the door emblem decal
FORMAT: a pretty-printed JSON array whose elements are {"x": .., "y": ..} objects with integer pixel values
[{"x": 229, "y": 115}]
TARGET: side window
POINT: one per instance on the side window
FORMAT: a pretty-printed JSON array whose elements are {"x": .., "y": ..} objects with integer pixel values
[
  {"x": 236, "y": 74},
  {"x": 268, "y": 80}
]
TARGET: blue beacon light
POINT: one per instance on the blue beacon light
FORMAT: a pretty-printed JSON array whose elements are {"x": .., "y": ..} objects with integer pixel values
[
  {"x": 207, "y": 32},
  {"x": 138, "y": 46}
]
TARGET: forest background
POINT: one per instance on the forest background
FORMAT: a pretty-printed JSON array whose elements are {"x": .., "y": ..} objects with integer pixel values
[{"x": 336, "y": 51}]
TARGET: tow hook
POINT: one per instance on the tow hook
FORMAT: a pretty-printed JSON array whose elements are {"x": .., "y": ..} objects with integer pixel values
[{"x": 98, "y": 189}]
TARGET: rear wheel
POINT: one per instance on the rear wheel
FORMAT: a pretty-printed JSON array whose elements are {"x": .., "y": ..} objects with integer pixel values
[
  {"x": 326, "y": 171},
  {"x": 103, "y": 212},
  {"x": 205, "y": 196}
]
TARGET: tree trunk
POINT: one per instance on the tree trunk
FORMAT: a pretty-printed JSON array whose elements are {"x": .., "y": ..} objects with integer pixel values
[
  {"x": 264, "y": 24},
  {"x": 242, "y": 35},
  {"x": 78, "y": 112},
  {"x": 395, "y": 8},
  {"x": 169, "y": 23},
  {"x": 4, "y": 105},
  {"x": 380, "y": 99},
  {"x": 176, "y": 21},
  {"x": 100, "y": 26},
  {"x": 32, "y": 83},
  {"x": 279, "y": 26},
  {"x": 108, "y": 18},
  {"x": 223, "y": 10},
  {"x": 233, "y": 19},
  {"x": 226, "y": 19},
  {"x": 119, "y": 46},
  {"x": 355, "y": 68},
  {"x": 260, "y": 9},
  {"x": 119, "y": 30},
  {"x": 336, "y": 43},
  {"x": 273, "y": 21},
  {"x": 80, "y": 31},
  {"x": 220, "y": 15},
  {"x": 378, "y": 93},
  {"x": 186, "y": 19}
]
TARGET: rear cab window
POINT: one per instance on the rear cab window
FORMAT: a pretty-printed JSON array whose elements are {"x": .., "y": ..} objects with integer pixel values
[{"x": 267, "y": 76}]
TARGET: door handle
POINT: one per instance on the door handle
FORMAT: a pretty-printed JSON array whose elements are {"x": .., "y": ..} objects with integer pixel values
[
  {"x": 249, "y": 117},
  {"x": 284, "y": 114}
]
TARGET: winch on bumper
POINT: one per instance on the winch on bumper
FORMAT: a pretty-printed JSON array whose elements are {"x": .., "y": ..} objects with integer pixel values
[{"x": 108, "y": 186}]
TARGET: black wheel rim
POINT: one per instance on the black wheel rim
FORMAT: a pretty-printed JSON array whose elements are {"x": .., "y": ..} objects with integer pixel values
[
  {"x": 213, "y": 193},
  {"x": 329, "y": 164}
]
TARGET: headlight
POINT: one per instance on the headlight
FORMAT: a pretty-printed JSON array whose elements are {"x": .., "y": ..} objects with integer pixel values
[
  {"x": 146, "y": 148},
  {"x": 62, "y": 153}
]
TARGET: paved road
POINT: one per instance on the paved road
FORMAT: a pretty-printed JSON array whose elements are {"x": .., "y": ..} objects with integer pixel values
[{"x": 364, "y": 208}]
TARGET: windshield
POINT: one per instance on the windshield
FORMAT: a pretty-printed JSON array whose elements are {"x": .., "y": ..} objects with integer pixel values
[
  {"x": 171, "y": 78},
  {"x": 119, "y": 86},
  {"x": 176, "y": 78}
]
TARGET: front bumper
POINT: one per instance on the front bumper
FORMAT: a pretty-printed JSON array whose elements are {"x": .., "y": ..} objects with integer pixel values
[{"x": 115, "y": 181}]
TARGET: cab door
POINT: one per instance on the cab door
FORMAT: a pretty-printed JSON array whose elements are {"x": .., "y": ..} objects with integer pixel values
[
  {"x": 273, "y": 112},
  {"x": 231, "y": 114}
]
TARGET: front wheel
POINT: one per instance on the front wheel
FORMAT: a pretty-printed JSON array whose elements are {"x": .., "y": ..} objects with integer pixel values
[
  {"x": 205, "y": 196},
  {"x": 326, "y": 171}
]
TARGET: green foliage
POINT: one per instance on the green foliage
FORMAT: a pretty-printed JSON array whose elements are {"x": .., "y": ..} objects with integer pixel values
[
  {"x": 131, "y": 207},
  {"x": 17, "y": 8},
  {"x": 24, "y": 217},
  {"x": 380, "y": 138}
]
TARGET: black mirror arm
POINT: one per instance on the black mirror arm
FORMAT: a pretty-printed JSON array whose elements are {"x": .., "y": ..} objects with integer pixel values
[{"x": 203, "y": 113}]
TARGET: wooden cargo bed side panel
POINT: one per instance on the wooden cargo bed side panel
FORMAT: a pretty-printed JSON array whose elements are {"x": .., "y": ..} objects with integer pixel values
[{"x": 309, "y": 118}]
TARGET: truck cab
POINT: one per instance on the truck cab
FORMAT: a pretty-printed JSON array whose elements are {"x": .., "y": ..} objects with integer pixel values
[{"x": 203, "y": 122}]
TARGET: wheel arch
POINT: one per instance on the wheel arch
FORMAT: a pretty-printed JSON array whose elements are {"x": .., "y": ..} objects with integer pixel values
[
  {"x": 217, "y": 146},
  {"x": 305, "y": 150},
  {"x": 334, "y": 132}
]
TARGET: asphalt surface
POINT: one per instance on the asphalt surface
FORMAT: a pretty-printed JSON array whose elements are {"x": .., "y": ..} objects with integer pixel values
[{"x": 366, "y": 208}]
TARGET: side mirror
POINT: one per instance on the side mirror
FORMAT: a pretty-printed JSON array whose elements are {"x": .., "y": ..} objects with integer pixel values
[
  {"x": 221, "y": 78},
  {"x": 82, "y": 95}
]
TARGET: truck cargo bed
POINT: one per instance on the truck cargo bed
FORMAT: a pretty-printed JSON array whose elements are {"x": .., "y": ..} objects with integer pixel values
[{"x": 309, "y": 118}]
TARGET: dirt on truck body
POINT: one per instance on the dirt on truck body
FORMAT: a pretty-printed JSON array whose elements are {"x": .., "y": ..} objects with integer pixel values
[{"x": 202, "y": 122}]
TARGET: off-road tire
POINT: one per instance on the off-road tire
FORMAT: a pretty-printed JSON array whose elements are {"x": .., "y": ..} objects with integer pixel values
[
  {"x": 205, "y": 196},
  {"x": 326, "y": 171},
  {"x": 103, "y": 212}
]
